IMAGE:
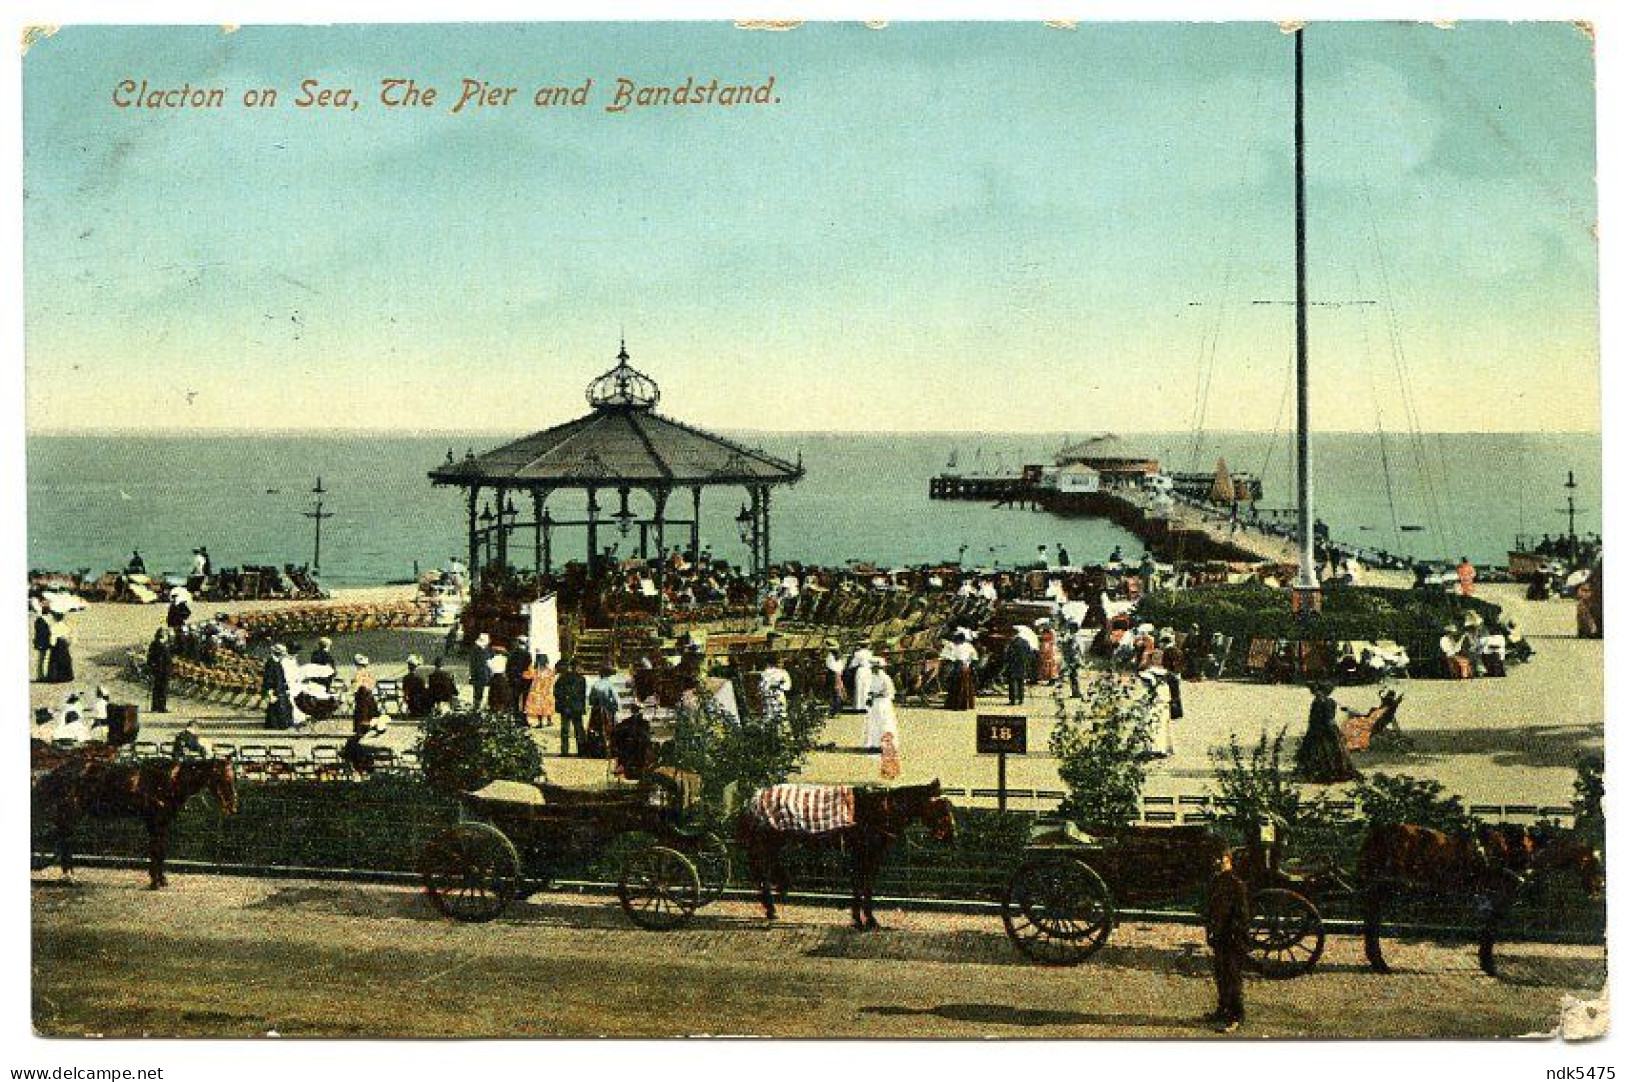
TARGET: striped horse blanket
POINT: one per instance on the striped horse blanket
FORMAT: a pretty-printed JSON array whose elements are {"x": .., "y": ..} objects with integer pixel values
[{"x": 803, "y": 809}]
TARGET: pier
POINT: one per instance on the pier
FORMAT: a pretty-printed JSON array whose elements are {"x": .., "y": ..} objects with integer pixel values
[
  {"x": 997, "y": 489},
  {"x": 1170, "y": 528}
]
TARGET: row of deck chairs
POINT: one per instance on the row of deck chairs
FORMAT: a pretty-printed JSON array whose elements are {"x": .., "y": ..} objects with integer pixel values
[
  {"x": 283, "y": 762},
  {"x": 825, "y": 609},
  {"x": 233, "y": 680},
  {"x": 336, "y": 619}
]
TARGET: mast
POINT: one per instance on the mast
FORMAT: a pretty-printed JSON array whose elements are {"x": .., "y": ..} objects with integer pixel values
[
  {"x": 1306, "y": 587},
  {"x": 318, "y": 514}
]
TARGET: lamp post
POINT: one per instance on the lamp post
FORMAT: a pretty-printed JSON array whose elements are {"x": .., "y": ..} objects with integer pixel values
[{"x": 318, "y": 513}]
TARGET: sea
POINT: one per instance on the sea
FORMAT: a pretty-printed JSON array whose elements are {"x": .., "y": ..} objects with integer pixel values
[{"x": 92, "y": 498}]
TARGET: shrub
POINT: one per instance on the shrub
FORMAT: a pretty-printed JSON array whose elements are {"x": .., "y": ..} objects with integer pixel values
[
  {"x": 747, "y": 754},
  {"x": 1256, "y": 789},
  {"x": 1253, "y": 785},
  {"x": 1588, "y": 794},
  {"x": 1100, "y": 749},
  {"x": 1413, "y": 618},
  {"x": 466, "y": 751},
  {"x": 1389, "y": 799}
]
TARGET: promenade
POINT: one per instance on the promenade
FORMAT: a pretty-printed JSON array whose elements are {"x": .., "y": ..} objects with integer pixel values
[{"x": 1495, "y": 742}]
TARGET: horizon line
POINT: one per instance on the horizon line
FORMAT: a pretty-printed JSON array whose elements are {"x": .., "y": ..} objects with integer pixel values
[{"x": 95, "y": 430}]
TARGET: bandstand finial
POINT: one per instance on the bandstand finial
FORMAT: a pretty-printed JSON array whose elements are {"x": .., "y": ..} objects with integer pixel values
[{"x": 623, "y": 387}]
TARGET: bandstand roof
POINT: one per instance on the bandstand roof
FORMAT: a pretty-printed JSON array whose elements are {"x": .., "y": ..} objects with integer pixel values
[{"x": 622, "y": 441}]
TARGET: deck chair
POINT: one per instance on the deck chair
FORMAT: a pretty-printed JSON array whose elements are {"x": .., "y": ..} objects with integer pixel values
[{"x": 388, "y": 694}]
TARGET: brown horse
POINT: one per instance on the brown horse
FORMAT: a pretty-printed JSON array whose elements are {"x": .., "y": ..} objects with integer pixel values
[
  {"x": 154, "y": 791},
  {"x": 44, "y": 757},
  {"x": 1490, "y": 866},
  {"x": 879, "y": 817}
]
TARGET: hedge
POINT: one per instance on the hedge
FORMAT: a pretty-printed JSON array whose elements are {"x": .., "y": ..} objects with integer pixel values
[{"x": 1413, "y": 618}]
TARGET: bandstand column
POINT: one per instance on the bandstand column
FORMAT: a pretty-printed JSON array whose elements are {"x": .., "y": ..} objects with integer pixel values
[
  {"x": 537, "y": 498},
  {"x": 755, "y": 532},
  {"x": 473, "y": 532},
  {"x": 659, "y": 495},
  {"x": 767, "y": 529},
  {"x": 592, "y": 532},
  {"x": 694, "y": 528},
  {"x": 502, "y": 528}
]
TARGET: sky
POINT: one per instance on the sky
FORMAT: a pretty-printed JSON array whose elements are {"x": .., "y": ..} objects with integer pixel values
[{"x": 989, "y": 227}]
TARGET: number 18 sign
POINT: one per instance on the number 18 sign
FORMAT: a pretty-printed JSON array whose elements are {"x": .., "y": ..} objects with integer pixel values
[{"x": 1001, "y": 734}]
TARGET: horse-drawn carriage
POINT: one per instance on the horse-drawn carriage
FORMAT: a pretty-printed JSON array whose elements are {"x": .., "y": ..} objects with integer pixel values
[
  {"x": 1058, "y": 908},
  {"x": 512, "y": 839}
]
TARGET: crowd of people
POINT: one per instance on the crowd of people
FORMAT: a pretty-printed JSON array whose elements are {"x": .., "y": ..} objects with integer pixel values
[{"x": 1476, "y": 647}]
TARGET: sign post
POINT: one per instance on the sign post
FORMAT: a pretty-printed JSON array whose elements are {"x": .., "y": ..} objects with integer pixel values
[{"x": 1002, "y": 735}]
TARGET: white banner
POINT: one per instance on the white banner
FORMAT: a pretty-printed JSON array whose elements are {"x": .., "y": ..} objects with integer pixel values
[{"x": 544, "y": 627}]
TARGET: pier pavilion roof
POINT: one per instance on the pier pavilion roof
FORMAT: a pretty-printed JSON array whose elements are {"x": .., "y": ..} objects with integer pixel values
[{"x": 622, "y": 441}]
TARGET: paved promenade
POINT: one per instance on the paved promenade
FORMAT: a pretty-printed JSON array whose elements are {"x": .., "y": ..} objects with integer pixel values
[{"x": 1496, "y": 742}]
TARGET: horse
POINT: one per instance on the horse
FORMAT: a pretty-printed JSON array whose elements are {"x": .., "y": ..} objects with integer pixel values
[
  {"x": 1491, "y": 865},
  {"x": 154, "y": 791},
  {"x": 43, "y": 756},
  {"x": 879, "y": 816}
]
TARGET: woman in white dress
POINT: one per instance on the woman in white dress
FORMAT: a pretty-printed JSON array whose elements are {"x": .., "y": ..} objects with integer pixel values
[
  {"x": 1159, "y": 730},
  {"x": 775, "y": 692},
  {"x": 862, "y": 669},
  {"x": 882, "y": 718}
]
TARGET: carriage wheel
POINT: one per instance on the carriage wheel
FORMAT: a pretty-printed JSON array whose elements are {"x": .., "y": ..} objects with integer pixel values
[
  {"x": 714, "y": 865},
  {"x": 471, "y": 872},
  {"x": 659, "y": 888},
  {"x": 1057, "y": 910},
  {"x": 1286, "y": 935}
]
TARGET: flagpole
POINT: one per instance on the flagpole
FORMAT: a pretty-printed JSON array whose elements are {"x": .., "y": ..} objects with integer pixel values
[{"x": 1306, "y": 588}]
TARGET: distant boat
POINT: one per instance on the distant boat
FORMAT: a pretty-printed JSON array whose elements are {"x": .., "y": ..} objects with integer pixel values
[
  {"x": 1413, "y": 529},
  {"x": 123, "y": 495},
  {"x": 273, "y": 492}
]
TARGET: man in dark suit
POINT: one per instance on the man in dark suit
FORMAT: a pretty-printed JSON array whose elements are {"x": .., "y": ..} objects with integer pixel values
[
  {"x": 1018, "y": 657},
  {"x": 570, "y": 698},
  {"x": 442, "y": 686},
  {"x": 42, "y": 640},
  {"x": 160, "y": 662},
  {"x": 520, "y": 662},
  {"x": 415, "y": 690},
  {"x": 479, "y": 667},
  {"x": 1229, "y": 913}
]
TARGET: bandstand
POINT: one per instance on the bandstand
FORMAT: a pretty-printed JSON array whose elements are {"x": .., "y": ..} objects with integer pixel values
[{"x": 620, "y": 447}]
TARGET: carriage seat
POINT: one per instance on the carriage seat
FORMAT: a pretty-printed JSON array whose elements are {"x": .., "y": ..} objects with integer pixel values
[
  {"x": 1058, "y": 832},
  {"x": 510, "y": 792}
]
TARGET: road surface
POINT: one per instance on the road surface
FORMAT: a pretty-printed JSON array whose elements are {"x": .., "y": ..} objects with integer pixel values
[{"x": 229, "y": 956}]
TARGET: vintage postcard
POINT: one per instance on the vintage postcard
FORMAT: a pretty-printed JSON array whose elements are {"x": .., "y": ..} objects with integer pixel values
[{"x": 914, "y": 530}]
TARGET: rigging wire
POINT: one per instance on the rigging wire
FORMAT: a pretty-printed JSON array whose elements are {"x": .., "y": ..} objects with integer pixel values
[
  {"x": 1382, "y": 435},
  {"x": 1280, "y": 412},
  {"x": 1406, "y": 392},
  {"x": 1207, "y": 356}
]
